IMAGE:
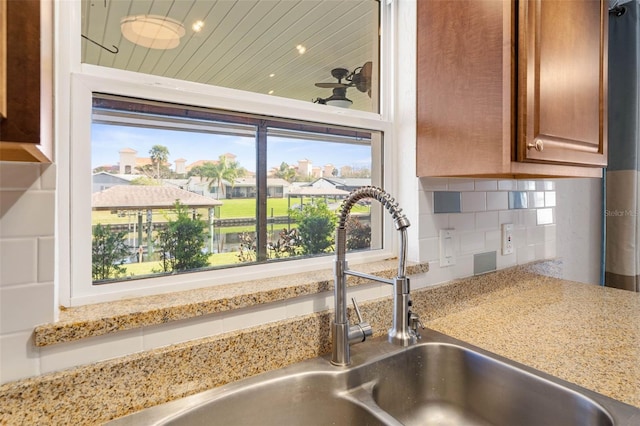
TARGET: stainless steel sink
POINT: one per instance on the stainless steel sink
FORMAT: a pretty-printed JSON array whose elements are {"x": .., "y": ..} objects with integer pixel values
[{"x": 440, "y": 381}]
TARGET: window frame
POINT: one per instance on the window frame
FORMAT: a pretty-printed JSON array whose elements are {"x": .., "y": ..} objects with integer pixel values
[{"x": 75, "y": 85}]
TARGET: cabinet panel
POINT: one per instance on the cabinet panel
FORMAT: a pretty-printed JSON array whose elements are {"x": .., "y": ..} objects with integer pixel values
[
  {"x": 495, "y": 76},
  {"x": 22, "y": 121},
  {"x": 464, "y": 86},
  {"x": 562, "y": 75}
]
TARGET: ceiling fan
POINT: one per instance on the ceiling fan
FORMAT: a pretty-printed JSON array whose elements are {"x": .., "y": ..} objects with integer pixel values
[{"x": 360, "y": 78}]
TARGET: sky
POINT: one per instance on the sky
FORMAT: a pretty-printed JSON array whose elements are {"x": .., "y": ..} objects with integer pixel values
[{"x": 108, "y": 140}]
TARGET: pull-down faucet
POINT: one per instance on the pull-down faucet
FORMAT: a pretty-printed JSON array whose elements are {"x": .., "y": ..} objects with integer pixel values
[{"x": 405, "y": 323}]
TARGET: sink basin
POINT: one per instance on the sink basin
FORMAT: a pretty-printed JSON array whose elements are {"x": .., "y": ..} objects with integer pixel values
[
  {"x": 299, "y": 399},
  {"x": 442, "y": 384},
  {"x": 441, "y": 381}
]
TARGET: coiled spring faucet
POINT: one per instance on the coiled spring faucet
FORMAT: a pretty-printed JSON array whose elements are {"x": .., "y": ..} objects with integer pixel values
[{"x": 405, "y": 323}]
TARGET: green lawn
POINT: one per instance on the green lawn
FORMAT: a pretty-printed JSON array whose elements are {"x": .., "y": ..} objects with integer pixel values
[
  {"x": 147, "y": 268},
  {"x": 231, "y": 209}
]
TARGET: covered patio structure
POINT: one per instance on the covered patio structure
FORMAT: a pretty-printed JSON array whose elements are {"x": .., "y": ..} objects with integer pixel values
[
  {"x": 303, "y": 192},
  {"x": 144, "y": 198}
]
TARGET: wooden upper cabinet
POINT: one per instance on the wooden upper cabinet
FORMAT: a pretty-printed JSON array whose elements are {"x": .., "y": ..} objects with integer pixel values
[
  {"x": 562, "y": 58},
  {"x": 494, "y": 77},
  {"x": 20, "y": 58}
]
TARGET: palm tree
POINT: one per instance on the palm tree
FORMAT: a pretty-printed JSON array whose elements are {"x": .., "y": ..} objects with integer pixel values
[
  {"x": 226, "y": 170},
  {"x": 159, "y": 154},
  {"x": 217, "y": 173}
]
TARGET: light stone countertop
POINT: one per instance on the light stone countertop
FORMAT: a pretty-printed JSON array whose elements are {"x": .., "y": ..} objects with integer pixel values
[{"x": 585, "y": 334}]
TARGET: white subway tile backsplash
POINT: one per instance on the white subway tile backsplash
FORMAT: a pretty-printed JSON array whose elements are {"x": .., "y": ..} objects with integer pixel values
[
  {"x": 544, "y": 216},
  {"x": 46, "y": 259},
  {"x": 527, "y": 204},
  {"x": 430, "y": 224},
  {"x": 526, "y": 185},
  {"x": 27, "y": 214},
  {"x": 18, "y": 261},
  {"x": 459, "y": 184},
  {"x": 497, "y": 200},
  {"x": 487, "y": 220},
  {"x": 474, "y": 201},
  {"x": 550, "y": 232},
  {"x": 25, "y": 306},
  {"x": 429, "y": 249},
  {"x": 507, "y": 216},
  {"x": 462, "y": 221},
  {"x": 249, "y": 317},
  {"x": 550, "y": 199},
  {"x": 180, "y": 331},
  {"x": 19, "y": 176},
  {"x": 48, "y": 176},
  {"x": 525, "y": 254},
  {"x": 20, "y": 357},
  {"x": 507, "y": 185},
  {"x": 85, "y": 351},
  {"x": 529, "y": 218},
  {"x": 471, "y": 242},
  {"x": 536, "y": 199},
  {"x": 433, "y": 184},
  {"x": 493, "y": 240},
  {"x": 486, "y": 185},
  {"x": 506, "y": 261}
]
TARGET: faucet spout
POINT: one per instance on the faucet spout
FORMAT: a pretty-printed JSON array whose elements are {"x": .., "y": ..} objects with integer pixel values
[{"x": 403, "y": 331}]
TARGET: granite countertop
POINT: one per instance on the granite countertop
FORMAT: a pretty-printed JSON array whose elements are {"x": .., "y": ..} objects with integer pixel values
[
  {"x": 581, "y": 333},
  {"x": 584, "y": 334}
]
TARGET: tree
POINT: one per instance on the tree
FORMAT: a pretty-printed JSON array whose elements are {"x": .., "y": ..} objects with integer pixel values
[
  {"x": 217, "y": 173},
  {"x": 159, "y": 155},
  {"x": 182, "y": 242},
  {"x": 358, "y": 234},
  {"x": 285, "y": 172},
  {"x": 316, "y": 227},
  {"x": 109, "y": 252}
]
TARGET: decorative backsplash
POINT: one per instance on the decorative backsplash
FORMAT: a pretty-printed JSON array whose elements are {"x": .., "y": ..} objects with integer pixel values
[{"x": 475, "y": 211}]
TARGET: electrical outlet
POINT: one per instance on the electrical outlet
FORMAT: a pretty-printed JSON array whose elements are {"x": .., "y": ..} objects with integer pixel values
[
  {"x": 447, "y": 252},
  {"x": 507, "y": 239}
]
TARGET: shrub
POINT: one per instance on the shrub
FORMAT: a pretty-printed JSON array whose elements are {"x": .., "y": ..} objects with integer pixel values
[
  {"x": 182, "y": 242},
  {"x": 316, "y": 227},
  {"x": 108, "y": 252}
]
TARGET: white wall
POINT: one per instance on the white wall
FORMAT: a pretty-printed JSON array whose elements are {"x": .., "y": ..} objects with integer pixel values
[
  {"x": 579, "y": 223},
  {"x": 27, "y": 293}
]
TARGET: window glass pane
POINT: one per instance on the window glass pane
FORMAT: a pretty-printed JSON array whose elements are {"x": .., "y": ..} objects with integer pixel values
[
  {"x": 319, "y": 170},
  {"x": 181, "y": 189},
  {"x": 279, "y": 48},
  {"x": 170, "y": 194}
]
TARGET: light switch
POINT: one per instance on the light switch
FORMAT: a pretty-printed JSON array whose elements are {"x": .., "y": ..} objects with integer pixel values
[{"x": 447, "y": 251}]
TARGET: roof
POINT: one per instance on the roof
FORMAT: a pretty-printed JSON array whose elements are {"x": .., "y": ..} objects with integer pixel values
[
  {"x": 309, "y": 191},
  {"x": 142, "y": 197}
]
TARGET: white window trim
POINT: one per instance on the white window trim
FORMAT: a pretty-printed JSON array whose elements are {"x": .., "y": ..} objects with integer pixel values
[{"x": 75, "y": 84}]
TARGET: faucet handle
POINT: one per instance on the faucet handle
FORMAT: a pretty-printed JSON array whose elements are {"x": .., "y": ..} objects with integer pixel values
[
  {"x": 414, "y": 323},
  {"x": 360, "y": 331},
  {"x": 355, "y": 306}
]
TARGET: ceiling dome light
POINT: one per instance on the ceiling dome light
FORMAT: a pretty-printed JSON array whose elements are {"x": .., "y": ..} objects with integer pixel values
[{"x": 152, "y": 31}]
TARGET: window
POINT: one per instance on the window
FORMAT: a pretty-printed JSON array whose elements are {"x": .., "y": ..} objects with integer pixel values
[
  {"x": 111, "y": 97},
  {"x": 191, "y": 189}
]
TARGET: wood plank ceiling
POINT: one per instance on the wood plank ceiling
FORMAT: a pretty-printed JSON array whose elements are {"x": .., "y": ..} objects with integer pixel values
[{"x": 244, "y": 42}]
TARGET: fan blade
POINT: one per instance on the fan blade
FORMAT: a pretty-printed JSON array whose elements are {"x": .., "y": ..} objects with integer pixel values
[{"x": 330, "y": 85}]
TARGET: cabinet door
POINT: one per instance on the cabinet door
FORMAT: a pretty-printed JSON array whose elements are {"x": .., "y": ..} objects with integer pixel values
[
  {"x": 562, "y": 76},
  {"x": 21, "y": 121}
]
